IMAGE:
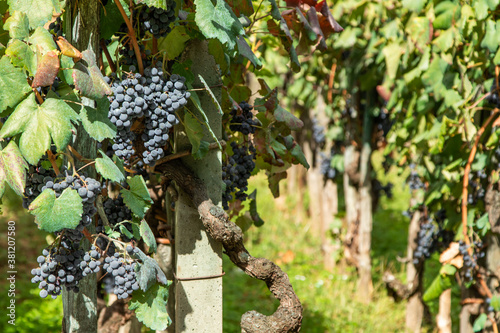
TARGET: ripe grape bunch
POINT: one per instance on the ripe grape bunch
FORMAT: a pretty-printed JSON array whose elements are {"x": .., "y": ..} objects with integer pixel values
[
  {"x": 325, "y": 167},
  {"x": 116, "y": 211},
  {"x": 123, "y": 271},
  {"x": 477, "y": 191},
  {"x": 157, "y": 20},
  {"x": 237, "y": 171},
  {"x": 426, "y": 242},
  {"x": 470, "y": 261},
  {"x": 243, "y": 122},
  {"x": 318, "y": 132},
  {"x": 152, "y": 97},
  {"x": 61, "y": 266},
  {"x": 56, "y": 27}
]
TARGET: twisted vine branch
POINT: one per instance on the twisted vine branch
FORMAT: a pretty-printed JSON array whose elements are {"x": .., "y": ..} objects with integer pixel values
[{"x": 288, "y": 316}]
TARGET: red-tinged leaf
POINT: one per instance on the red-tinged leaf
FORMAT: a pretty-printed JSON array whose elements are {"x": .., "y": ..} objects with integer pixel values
[
  {"x": 312, "y": 16},
  {"x": 288, "y": 118},
  {"x": 12, "y": 169},
  {"x": 311, "y": 3},
  {"x": 290, "y": 19},
  {"x": 88, "y": 79},
  {"x": 327, "y": 22},
  {"x": 69, "y": 50},
  {"x": 384, "y": 92},
  {"x": 47, "y": 70},
  {"x": 240, "y": 7},
  {"x": 292, "y": 3},
  {"x": 273, "y": 28},
  {"x": 311, "y": 34}
]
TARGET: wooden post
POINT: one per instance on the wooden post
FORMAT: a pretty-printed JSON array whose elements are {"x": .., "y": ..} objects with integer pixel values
[
  {"x": 443, "y": 318},
  {"x": 82, "y": 31},
  {"x": 198, "y": 305},
  {"x": 415, "y": 306}
]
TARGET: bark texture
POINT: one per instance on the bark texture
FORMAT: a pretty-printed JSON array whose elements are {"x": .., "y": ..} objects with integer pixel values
[
  {"x": 288, "y": 316},
  {"x": 415, "y": 306},
  {"x": 82, "y": 21},
  {"x": 443, "y": 318}
]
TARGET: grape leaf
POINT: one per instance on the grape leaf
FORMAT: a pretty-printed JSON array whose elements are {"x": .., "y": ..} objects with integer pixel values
[
  {"x": 202, "y": 151},
  {"x": 96, "y": 121},
  {"x": 38, "y": 11},
  {"x": 124, "y": 231},
  {"x": 111, "y": 20},
  {"x": 53, "y": 214},
  {"x": 89, "y": 80},
  {"x": 151, "y": 307},
  {"x": 68, "y": 50},
  {"x": 218, "y": 22},
  {"x": 153, "y": 3},
  {"x": 245, "y": 50},
  {"x": 274, "y": 182},
  {"x": 43, "y": 40},
  {"x": 252, "y": 197},
  {"x": 12, "y": 169},
  {"x": 13, "y": 84},
  {"x": 18, "y": 25},
  {"x": 22, "y": 56},
  {"x": 38, "y": 123},
  {"x": 480, "y": 322},
  {"x": 194, "y": 131},
  {"x": 105, "y": 166},
  {"x": 174, "y": 43},
  {"x": 495, "y": 302},
  {"x": 47, "y": 70},
  {"x": 148, "y": 236},
  {"x": 137, "y": 198}
]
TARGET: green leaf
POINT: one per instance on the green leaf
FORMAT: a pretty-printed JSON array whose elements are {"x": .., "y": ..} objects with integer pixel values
[
  {"x": 174, "y": 43},
  {"x": 22, "y": 56},
  {"x": 148, "y": 236},
  {"x": 151, "y": 307},
  {"x": 111, "y": 20},
  {"x": 257, "y": 221},
  {"x": 38, "y": 123},
  {"x": 447, "y": 12},
  {"x": 214, "y": 100},
  {"x": 108, "y": 169},
  {"x": 218, "y": 22},
  {"x": 392, "y": 54},
  {"x": 480, "y": 322},
  {"x": 482, "y": 221},
  {"x": 43, "y": 39},
  {"x": 38, "y": 11},
  {"x": 419, "y": 29},
  {"x": 96, "y": 121},
  {"x": 124, "y": 231},
  {"x": 440, "y": 283},
  {"x": 492, "y": 37},
  {"x": 137, "y": 198},
  {"x": 445, "y": 40},
  {"x": 274, "y": 180},
  {"x": 202, "y": 151},
  {"x": 495, "y": 302},
  {"x": 53, "y": 214},
  {"x": 89, "y": 80},
  {"x": 194, "y": 131},
  {"x": 18, "y": 25},
  {"x": 245, "y": 50},
  {"x": 13, "y": 84},
  {"x": 12, "y": 169},
  {"x": 195, "y": 99},
  {"x": 414, "y": 5},
  {"x": 153, "y": 3}
]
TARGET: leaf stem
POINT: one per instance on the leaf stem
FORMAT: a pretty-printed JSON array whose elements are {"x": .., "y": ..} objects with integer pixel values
[{"x": 108, "y": 56}]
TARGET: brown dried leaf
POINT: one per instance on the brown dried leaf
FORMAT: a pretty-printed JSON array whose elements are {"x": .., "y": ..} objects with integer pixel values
[
  {"x": 47, "y": 70},
  {"x": 458, "y": 262}
]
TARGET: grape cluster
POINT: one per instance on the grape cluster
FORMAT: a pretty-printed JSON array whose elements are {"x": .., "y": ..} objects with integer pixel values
[
  {"x": 383, "y": 123},
  {"x": 116, "y": 211},
  {"x": 125, "y": 279},
  {"x": 58, "y": 267},
  {"x": 151, "y": 97},
  {"x": 476, "y": 183},
  {"x": 318, "y": 133},
  {"x": 128, "y": 55},
  {"x": 243, "y": 122},
  {"x": 426, "y": 242},
  {"x": 237, "y": 171},
  {"x": 432, "y": 237},
  {"x": 157, "y": 20},
  {"x": 56, "y": 27},
  {"x": 35, "y": 181},
  {"x": 414, "y": 181},
  {"x": 493, "y": 97},
  {"x": 378, "y": 188},
  {"x": 87, "y": 188},
  {"x": 90, "y": 263},
  {"x": 325, "y": 168},
  {"x": 470, "y": 261}
]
